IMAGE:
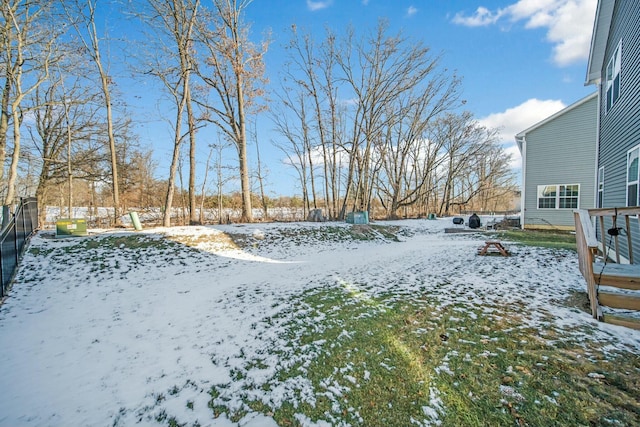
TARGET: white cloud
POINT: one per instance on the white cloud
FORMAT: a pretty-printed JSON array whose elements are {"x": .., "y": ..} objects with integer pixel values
[
  {"x": 570, "y": 31},
  {"x": 349, "y": 102},
  {"x": 568, "y": 23},
  {"x": 516, "y": 119},
  {"x": 317, "y": 157},
  {"x": 532, "y": 9},
  {"x": 513, "y": 151},
  {"x": 521, "y": 117},
  {"x": 411, "y": 11},
  {"x": 317, "y": 5},
  {"x": 482, "y": 17}
]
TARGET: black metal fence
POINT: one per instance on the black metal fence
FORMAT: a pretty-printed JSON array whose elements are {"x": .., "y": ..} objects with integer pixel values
[{"x": 16, "y": 229}]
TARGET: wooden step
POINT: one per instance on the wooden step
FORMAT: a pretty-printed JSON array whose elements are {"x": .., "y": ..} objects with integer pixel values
[
  {"x": 614, "y": 300},
  {"x": 628, "y": 322},
  {"x": 624, "y": 276},
  {"x": 631, "y": 283}
]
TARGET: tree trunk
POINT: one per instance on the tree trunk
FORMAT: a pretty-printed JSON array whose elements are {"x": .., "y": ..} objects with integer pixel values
[
  {"x": 4, "y": 123},
  {"x": 193, "y": 216},
  {"x": 112, "y": 149},
  {"x": 13, "y": 168},
  {"x": 204, "y": 186},
  {"x": 247, "y": 213},
  {"x": 263, "y": 197},
  {"x": 175, "y": 159}
]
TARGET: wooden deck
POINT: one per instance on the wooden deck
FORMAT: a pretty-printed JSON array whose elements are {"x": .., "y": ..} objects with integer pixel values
[{"x": 613, "y": 280}]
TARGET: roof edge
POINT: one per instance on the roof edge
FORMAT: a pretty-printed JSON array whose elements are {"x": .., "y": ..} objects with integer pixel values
[
  {"x": 556, "y": 115},
  {"x": 599, "y": 36}
]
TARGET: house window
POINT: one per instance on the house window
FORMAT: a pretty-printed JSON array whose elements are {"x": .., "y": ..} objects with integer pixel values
[
  {"x": 568, "y": 196},
  {"x": 613, "y": 77},
  {"x": 547, "y": 196},
  {"x": 562, "y": 196},
  {"x": 632, "y": 176},
  {"x": 600, "y": 202}
]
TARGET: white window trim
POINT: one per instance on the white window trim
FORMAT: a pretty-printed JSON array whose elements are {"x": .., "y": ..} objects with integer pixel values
[
  {"x": 616, "y": 63},
  {"x": 600, "y": 201},
  {"x": 637, "y": 178},
  {"x": 557, "y": 204}
]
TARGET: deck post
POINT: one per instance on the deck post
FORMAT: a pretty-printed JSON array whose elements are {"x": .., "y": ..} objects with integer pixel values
[{"x": 585, "y": 236}]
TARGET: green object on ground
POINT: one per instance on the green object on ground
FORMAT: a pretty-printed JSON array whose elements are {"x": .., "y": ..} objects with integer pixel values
[
  {"x": 71, "y": 227},
  {"x": 361, "y": 217},
  {"x": 135, "y": 220}
]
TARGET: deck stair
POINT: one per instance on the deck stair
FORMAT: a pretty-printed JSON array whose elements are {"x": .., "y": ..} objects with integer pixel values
[{"x": 613, "y": 280}]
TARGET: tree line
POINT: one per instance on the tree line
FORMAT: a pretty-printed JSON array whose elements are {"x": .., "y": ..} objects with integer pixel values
[
  {"x": 373, "y": 118},
  {"x": 368, "y": 121}
]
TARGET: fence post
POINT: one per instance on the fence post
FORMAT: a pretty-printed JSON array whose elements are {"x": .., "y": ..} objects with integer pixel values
[
  {"x": 5, "y": 216},
  {"x": 34, "y": 214},
  {"x": 23, "y": 212},
  {"x": 1, "y": 272},
  {"x": 5, "y": 222},
  {"x": 15, "y": 238}
]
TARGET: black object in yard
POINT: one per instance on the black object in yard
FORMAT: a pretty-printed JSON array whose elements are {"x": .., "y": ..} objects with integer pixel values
[
  {"x": 458, "y": 221},
  {"x": 474, "y": 221}
]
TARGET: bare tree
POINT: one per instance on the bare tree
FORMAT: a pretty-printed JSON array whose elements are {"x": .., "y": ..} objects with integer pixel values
[
  {"x": 294, "y": 144},
  {"x": 472, "y": 160},
  {"x": 396, "y": 88},
  {"x": 260, "y": 174},
  {"x": 172, "y": 61},
  {"x": 311, "y": 70},
  {"x": 64, "y": 121},
  {"x": 28, "y": 38},
  {"x": 409, "y": 121},
  {"x": 82, "y": 15},
  {"x": 8, "y": 64},
  {"x": 221, "y": 177},
  {"x": 138, "y": 183},
  {"x": 304, "y": 62},
  {"x": 386, "y": 72},
  {"x": 203, "y": 188},
  {"x": 488, "y": 178},
  {"x": 426, "y": 161},
  {"x": 332, "y": 135},
  {"x": 234, "y": 71}
]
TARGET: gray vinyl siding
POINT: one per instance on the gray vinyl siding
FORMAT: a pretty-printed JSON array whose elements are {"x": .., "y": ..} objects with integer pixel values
[
  {"x": 620, "y": 126},
  {"x": 561, "y": 151}
]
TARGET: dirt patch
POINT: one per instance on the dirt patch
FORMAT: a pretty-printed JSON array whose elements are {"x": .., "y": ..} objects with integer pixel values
[{"x": 579, "y": 300}]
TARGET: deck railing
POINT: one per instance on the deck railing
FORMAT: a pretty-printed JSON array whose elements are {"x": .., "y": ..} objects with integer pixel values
[{"x": 604, "y": 239}]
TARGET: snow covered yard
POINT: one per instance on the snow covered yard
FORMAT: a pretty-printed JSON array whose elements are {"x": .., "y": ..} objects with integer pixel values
[{"x": 228, "y": 325}]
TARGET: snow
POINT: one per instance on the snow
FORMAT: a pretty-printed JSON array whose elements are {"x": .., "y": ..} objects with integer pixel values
[{"x": 136, "y": 335}]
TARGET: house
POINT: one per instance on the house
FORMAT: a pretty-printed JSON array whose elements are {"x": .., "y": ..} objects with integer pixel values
[
  {"x": 558, "y": 166},
  {"x": 608, "y": 237},
  {"x": 614, "y": 68}
]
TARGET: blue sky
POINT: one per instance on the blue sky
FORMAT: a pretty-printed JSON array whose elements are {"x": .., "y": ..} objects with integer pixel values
[{"x": 520, "y": 61}]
